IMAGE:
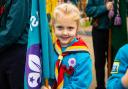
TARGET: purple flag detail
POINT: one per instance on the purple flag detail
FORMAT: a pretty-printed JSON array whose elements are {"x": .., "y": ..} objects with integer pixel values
[{"x": 33, "y": 67}]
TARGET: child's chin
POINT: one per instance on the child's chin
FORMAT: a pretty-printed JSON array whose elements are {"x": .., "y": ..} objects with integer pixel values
[{"x": 65, "y": 43}]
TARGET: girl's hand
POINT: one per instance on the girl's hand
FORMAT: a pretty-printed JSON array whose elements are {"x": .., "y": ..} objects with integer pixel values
[
  {"x": 44, "y": 87},
  {"x": 125, "y": 79},
  {"x": 109, "y": 5}
]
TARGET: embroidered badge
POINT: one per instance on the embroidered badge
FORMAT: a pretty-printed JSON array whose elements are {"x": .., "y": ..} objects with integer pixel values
[
  {"x": 72, "y": 62},
  {"x": 115, "y": 67}
]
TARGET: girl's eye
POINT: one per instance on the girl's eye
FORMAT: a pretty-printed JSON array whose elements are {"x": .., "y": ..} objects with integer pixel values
[
  {"x": 70, "y": 28},
  {"x": 60, "y": 27}
]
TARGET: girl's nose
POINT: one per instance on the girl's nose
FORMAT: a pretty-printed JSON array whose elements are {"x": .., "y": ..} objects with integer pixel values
[{"x": 65, "y": 32}]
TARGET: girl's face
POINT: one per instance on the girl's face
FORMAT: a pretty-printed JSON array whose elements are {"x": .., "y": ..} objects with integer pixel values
[{"x": 65, "y": 31}]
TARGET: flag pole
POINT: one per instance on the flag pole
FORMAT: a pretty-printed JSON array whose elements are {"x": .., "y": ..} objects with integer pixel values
[
  {"x": 109, "y": 51},
  {"x": 110, "y": 16},
  {"x": 46, "y": 83}
]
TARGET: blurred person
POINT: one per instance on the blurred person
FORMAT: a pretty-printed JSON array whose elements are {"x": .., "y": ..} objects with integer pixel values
[
  {"x": 98, "y": 10},
  {"x": 119, "y": 74},
  {"x": 109, "y": 24},
  {"x": 14, "y": 24}
]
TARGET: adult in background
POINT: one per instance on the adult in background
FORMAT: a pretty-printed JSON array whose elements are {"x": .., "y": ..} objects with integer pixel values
[
  {"x": 14, "y": 24},
  {"x": 103, "y": 35},
  {"x": 98, "y": 10}
]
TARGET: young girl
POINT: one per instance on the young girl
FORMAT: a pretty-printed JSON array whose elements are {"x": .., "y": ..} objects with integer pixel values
[{"x": 73, "y": 66}]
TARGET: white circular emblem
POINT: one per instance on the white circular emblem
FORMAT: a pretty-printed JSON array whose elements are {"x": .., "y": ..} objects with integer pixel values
[{"x": 72, "y": 62}]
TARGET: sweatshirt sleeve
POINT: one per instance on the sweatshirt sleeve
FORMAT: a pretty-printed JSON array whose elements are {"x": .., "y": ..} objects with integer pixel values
[
  {"x": 82, "y": 76},
  {"x": 93, "y": 10},
  {"x": 120, "y": 66},
  {"x": 15, "y": 23}
]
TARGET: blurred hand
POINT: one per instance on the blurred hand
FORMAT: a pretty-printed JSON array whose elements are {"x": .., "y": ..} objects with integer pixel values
[
  {"x": 125, "y": 79},
  {"x": 44, "y": 87},
  {"x": 109, "y": 5}
]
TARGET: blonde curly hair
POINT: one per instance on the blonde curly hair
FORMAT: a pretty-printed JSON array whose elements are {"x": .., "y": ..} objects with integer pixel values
[{"x": 66, "y": 11}]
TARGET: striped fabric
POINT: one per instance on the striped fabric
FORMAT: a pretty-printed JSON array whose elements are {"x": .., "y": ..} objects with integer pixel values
[{"x": 59, "y": 68}]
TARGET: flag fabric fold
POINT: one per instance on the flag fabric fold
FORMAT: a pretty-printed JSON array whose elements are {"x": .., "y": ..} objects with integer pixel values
[{"x": 39, "y": 63}]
